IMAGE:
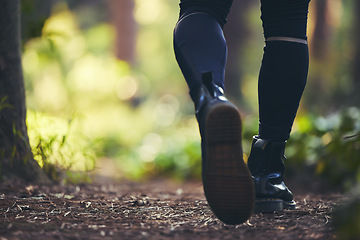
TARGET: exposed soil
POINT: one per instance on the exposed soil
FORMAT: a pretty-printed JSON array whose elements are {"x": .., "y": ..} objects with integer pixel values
[{"x": 153, "y": 210}]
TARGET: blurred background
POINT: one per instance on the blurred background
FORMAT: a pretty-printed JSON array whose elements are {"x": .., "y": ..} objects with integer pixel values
[{"x": 105, "y": 95}]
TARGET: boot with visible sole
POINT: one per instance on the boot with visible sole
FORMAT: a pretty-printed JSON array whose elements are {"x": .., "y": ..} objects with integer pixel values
[
  {"x": 266, "y": 163},
  {"x": 228, "y": 185}
]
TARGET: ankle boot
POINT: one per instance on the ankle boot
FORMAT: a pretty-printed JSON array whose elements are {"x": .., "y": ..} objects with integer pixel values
[
  {"x": 266, "y": 163},
  {"x": 227, "y": 182}
]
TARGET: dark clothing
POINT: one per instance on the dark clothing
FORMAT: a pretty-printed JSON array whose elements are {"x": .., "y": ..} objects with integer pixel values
[
  {"x": 280, "y": 17},
  {"x": 282, "y": 80},
  {"x": 284, "y": 67},
  {"x": 200, "y": 46},
  {"x": 286, "y": 18},
  {"x": 217, "y": 8}
]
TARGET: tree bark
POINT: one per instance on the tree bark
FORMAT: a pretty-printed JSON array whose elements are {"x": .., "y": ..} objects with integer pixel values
[
  {"x": 236, "y": 33},
  {"x": 356, "y": 62},
  {"x": 320, "y": 39},
  {"x": 319, "y": 45},
  {"x": 16, "y": 158},
  {"x": 122, "y": 18}
]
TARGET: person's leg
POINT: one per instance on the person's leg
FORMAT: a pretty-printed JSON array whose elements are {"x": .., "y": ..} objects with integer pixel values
[
  {"x": 284, "y": 67},
  {"x": 200, "y": 50},
  {"x": 282, "y": 79},
  {"x": 199, "y": 42}
]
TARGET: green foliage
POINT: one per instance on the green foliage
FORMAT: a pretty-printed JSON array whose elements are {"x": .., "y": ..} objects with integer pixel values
[
  {"x": 4, "y": 104},
  {"x": 340, "y": 154},
  {"x": 331, "y": 145},
  {"x": 70, "y": 70},
  {"x": 56, "y": 147},
  {"x": 140, "y": 116}
]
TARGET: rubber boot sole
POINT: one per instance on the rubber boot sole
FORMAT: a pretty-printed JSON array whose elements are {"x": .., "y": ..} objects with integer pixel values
[
  {"x": 228, "y": 185},
  {"x": 267, "y": 205}
]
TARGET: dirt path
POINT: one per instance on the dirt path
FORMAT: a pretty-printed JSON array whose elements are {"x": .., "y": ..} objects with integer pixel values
[{"x": 153, "y": 210}]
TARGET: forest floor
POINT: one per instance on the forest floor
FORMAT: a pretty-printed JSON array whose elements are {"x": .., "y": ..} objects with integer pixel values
[{"x": 156, "y": 209}]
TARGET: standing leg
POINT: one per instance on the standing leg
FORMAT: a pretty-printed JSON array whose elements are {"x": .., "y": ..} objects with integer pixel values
[
  {"x": 200, "y": 50},
  {"x": 282, "y": 79}
]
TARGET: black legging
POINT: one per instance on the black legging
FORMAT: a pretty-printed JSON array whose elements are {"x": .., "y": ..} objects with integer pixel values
[
  {"x": 200, "y": 46},
  {"x": 218, "y": 8}
]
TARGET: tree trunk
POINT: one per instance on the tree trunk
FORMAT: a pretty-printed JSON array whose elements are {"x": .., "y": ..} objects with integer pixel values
[
  {"x": 122, "y": 17},
  {"x": 16, "y": 158},
  {"x": 320, "y": 39},
  {"x": 356, "y": 62},
  {"x": 320, "y": 53},
  {"x": 236, "y": 33}
]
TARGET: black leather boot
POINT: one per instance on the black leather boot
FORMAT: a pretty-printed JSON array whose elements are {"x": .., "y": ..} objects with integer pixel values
[
  {"x": 227, "y": 182},
  {"x": 266, "y": 163}
]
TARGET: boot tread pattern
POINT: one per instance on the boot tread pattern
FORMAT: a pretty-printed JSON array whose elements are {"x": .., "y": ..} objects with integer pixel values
[{"x": 228, "y": 184}]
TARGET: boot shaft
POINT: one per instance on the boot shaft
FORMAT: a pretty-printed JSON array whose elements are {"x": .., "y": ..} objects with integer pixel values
[{"x": 266, "y": 157}]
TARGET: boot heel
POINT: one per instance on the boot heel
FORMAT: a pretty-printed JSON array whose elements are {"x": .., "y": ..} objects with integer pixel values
[
  {"x": 289, "y": 205},
  {"x": 268, "y": 205}
]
